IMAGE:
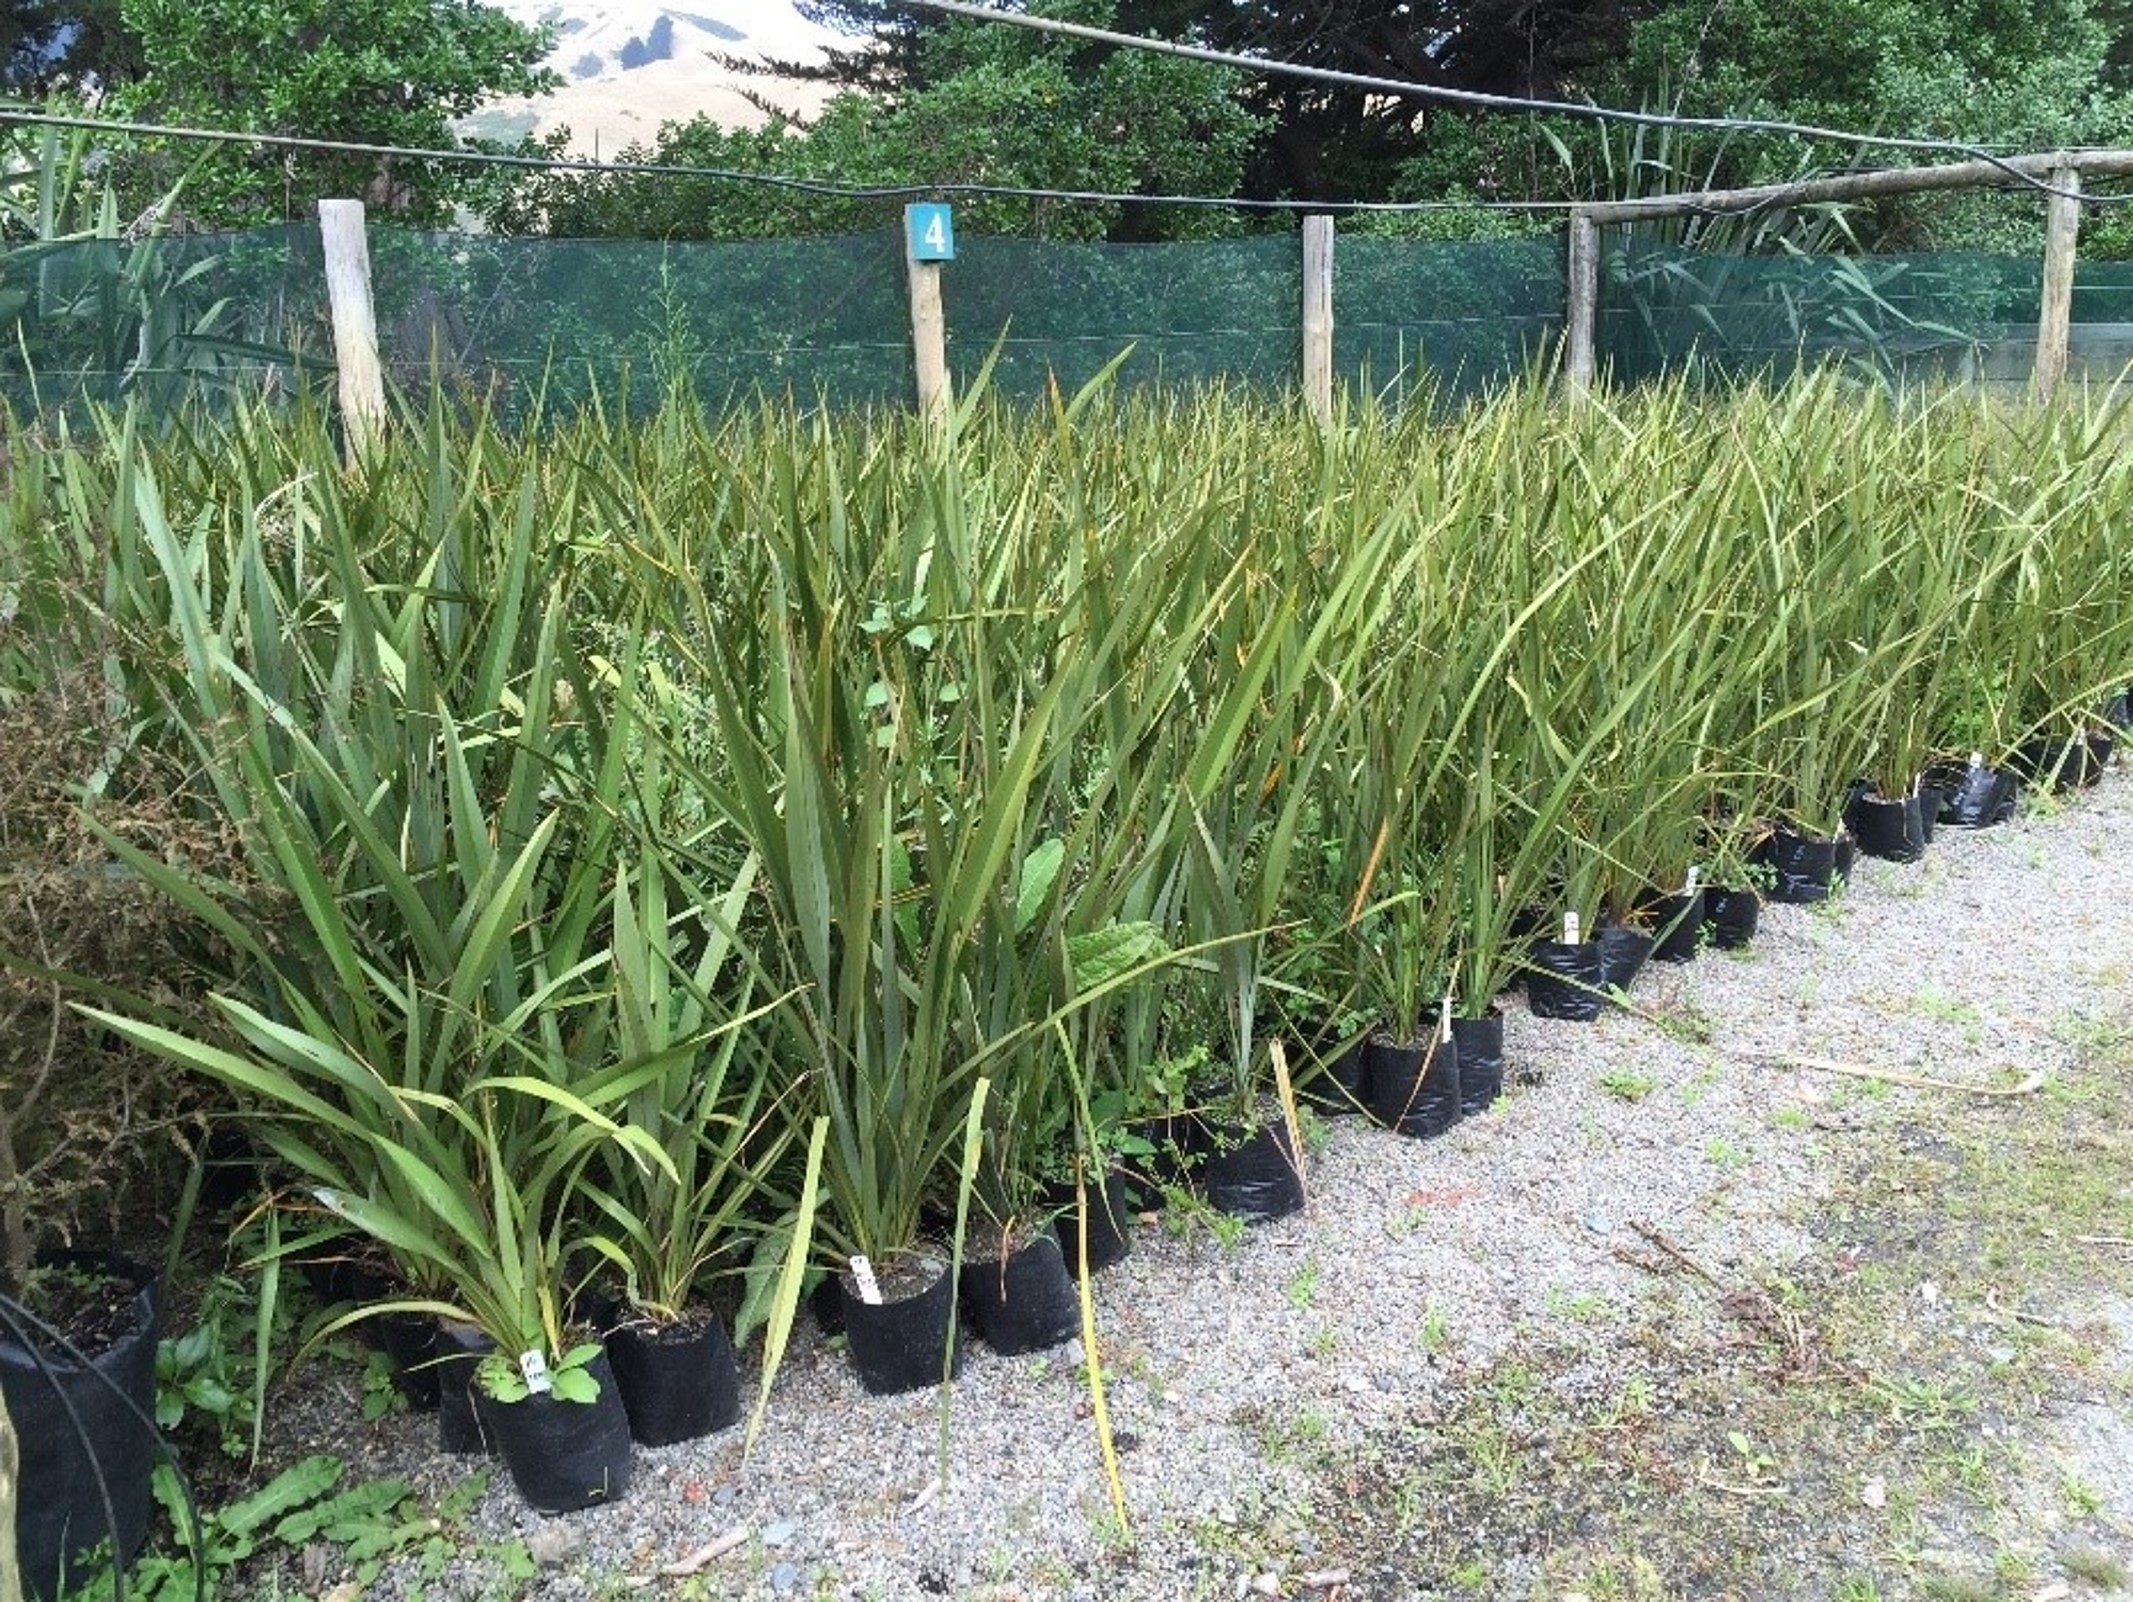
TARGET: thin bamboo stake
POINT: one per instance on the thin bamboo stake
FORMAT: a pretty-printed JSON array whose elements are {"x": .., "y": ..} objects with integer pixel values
[{"x": 1824, "y": 1065}]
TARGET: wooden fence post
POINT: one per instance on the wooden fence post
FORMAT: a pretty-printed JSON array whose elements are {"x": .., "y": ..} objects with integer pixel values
[
  {"x": 1318, "y": 316},
  {"x": 1581, "y": 313},
  {"x": 2062, "y": 230},
  {"x": 10, "y": 1468},
  {"x": 355, "y": 322},
  {"x": 929, "y": 328}
]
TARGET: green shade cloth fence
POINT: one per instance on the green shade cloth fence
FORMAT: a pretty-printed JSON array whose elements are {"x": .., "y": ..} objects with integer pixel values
[{"x": 558, "y": 323}]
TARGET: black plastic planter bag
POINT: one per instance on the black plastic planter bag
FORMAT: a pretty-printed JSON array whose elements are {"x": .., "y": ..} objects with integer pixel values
[
  {"x": 460, "y": 1347},
  {"x": 1564, "y": 981},
  {"x": 1340, "y": 1085},
  {"x": 410, "y": 1340},
  {"x": 826, "y": 1302},
  {"x": 1677, "y": 922},
  {"x": 678, "y": 1382},
  {"x": 2118, "y": 711},
  {"x": 1414, "y": 1090},
  {"x": 1255, "y": 1174},
  {"x": 1480, "y": 1043},
  {"x": 1806, "y": 869},
  {"x": 1623, "y": 954},
  {"x": 563, "y": 1456},
  {"x": 897, "y": 1346},
  {"x": 1928, "y": 798},
  {"x": 61, "y": 1516},
  {"x": 1110, "y": 1224},
  {"x": 2064, "y": 763},
  {"x": 1180, "y": 1142},
  {"x": 1894, "y": 831},
  {"x": 1976, "y": 797},
  {"x": 1026, "y": 1304},
  {"x": 1730, "y": 916}
]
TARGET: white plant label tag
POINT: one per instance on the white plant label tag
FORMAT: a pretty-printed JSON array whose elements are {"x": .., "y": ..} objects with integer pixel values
[
  {"x": 535, "y": 1367},
  {"x": 869, "y": 1289},
  {"x": 1570, "y": 929},
  {"x": 1977, "y": 759},
  {"x": 1695, "y": 879},
  {"x": 1444, "y": 1029}
]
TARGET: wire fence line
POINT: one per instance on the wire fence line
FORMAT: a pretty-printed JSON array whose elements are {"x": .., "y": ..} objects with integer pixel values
[{"x": 552, "y": 324}]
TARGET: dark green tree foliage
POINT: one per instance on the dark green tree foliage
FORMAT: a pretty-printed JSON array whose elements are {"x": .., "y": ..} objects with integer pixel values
[
  {"x": 2027, "y": 76},
  {"x": 1321, "y": 143},
  {"x": 991, "y": 106},
  {"x": 394, "y": 72},
  {"x": 2015, "y": 73},
  {"x": 52, "y": 45}
]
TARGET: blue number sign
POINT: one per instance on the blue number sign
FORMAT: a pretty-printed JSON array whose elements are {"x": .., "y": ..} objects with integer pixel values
[{"x": 931, "y": 230}]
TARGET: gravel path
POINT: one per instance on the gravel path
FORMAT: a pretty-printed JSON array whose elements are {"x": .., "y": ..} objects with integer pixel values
[{"x": 1415, "y": 1261}]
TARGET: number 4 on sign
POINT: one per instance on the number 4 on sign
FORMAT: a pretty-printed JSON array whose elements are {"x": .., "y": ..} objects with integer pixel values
[{"x": 931, "y": 231}]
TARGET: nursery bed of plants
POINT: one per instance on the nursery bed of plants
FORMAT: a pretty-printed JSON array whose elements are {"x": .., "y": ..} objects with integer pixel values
[
  {"x": 640, "y": 877},
  {"x": 1466, "y": 1370}
]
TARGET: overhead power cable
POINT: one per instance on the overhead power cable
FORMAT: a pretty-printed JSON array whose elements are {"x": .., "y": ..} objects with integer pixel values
[{"x": 1479, "y": 100}]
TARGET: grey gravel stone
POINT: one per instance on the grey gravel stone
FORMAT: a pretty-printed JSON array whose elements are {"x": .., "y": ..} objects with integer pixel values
[
  {"x": 785, "y": 1578},
  {"x": 779, "y": 1532},
  {"x": 554, "y": 1544}
]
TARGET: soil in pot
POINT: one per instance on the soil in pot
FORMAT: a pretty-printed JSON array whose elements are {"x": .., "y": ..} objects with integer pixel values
[
  {"x": 563, "y": 1456},
  {"x": 1110, "y": 1223},
  {"x": 83, "y": 1428},
  {"x": 1974, "y": 796},
  {"x": 1565, "y": 981},
  {"x": 1677, "y": 926},
  {"x": 1623, "y": 953},
  {"x": 460, "y": 1347},
  {"x": 1340, "y": 1082},
  {"x": 1480, "y": 1043},
  {"x": 898, "y": 1343},
  {"x": 1255, "y": 1172},
  {"x": 1024, "y": 1302},
  {"x": 677, "y": 1380},
  {"x": 1892, "y": 830},
  {"x": 1414, "y": 1088},
  {"x": 1805, "y": 868},
  {"x": 1730, "y": 916}
]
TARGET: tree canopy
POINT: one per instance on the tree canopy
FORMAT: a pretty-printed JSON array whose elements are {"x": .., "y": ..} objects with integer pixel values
[
  {"x": 2022, "y": 74},
  {"x": 984, "y": 105},
  {"x": 392, "y": 72}
]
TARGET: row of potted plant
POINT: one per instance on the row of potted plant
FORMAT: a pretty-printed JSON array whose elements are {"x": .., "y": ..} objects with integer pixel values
[{"x": 687, "y": 855}]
